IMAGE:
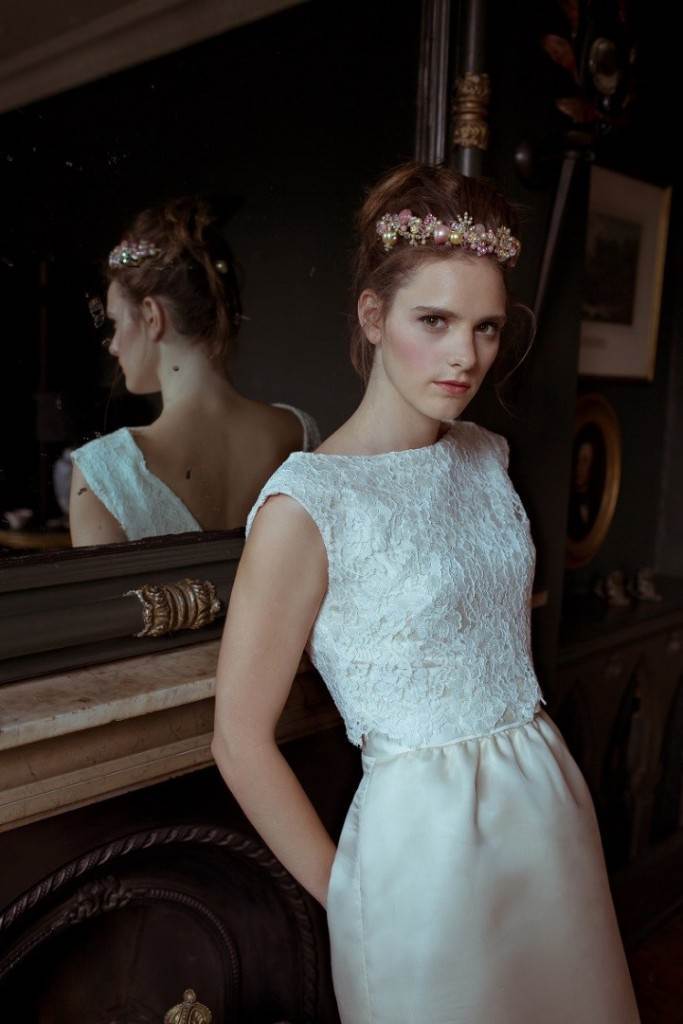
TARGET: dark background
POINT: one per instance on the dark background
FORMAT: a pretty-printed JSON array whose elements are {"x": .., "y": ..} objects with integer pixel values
[
  {"x": 281, "y": 122},
  {"x": 286, "y": 121}
]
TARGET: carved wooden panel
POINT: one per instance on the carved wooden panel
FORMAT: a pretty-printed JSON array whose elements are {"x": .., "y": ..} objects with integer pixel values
[
  {"x": 117, "y": 935},
  {"x": 667, "y": 815}
]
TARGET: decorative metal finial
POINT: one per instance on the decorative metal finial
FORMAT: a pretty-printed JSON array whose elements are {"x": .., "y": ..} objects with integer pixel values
[
  {"x": 189, "y": 1011},
  {"x": 470, "y": 110},
  {"x": 167, "y": 607}
]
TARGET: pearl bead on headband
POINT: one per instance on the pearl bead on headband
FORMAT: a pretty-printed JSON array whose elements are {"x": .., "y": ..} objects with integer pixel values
[{"x": 463, "y": 232}]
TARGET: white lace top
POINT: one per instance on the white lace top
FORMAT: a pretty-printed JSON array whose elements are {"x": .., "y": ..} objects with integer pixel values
[
  {"x": 115, "y": 470},
  {"x": 425, "y": 626}
]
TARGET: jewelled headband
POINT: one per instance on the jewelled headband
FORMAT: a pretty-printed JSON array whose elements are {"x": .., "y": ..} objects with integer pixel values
[
  {"x": 463, "y": 233},
  {"x": 132, "y": 254}
]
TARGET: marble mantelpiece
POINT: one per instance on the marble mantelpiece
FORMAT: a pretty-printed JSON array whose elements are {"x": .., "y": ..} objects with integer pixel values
[{"x": 76, "y": 737}]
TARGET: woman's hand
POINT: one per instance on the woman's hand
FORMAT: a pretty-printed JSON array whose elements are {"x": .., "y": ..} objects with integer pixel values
[{"x": 280, "y": 583}]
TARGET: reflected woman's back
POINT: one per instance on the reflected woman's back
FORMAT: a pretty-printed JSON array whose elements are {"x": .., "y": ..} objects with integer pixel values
[
  {"x": 216, "y": 465},
  {"x": 175, "y": 310}
]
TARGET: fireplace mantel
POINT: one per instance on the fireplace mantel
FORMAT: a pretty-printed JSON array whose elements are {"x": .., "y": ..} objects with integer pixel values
[{"x": 77, "y": 737}]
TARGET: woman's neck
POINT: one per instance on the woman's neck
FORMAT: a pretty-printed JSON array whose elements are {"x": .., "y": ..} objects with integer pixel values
[
  {"x": 386, "y": 421},
  {"x": 187, "y": 376}
]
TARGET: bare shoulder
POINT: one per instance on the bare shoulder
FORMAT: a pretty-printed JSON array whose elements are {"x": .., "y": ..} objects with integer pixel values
[
  {"x": 284, "y": 559},
  {"x": 286, "y": 425},
  {"x": 90, "y": 521},
  {"x": 284, "y": 530}
]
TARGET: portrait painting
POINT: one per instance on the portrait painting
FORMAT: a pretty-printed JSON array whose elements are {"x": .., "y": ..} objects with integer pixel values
[{"x": 595, "y": 477}]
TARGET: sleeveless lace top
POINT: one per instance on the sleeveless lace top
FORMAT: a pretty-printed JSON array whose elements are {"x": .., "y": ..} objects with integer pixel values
[
  {"x": 115, "y": 470},
  {"x": 425, "y": 627}
]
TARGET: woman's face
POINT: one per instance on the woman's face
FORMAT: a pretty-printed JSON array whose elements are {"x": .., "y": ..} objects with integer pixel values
[
  {"x": 137, "y": 355},
  {"x": 443, "y": 325}
]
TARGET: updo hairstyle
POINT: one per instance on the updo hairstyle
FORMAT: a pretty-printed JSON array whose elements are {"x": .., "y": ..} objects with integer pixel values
[{"x": 194, "y": 273}]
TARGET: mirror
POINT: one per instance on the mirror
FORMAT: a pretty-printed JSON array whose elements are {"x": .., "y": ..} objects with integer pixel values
[{"x": 280, "y": 123}]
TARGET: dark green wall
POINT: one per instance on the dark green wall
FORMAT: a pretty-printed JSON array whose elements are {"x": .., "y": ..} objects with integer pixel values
[
  {"x": 539, "y": 425},
  {"x": 647, "y": 528}
]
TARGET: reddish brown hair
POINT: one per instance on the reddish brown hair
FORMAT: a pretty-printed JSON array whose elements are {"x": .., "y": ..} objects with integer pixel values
[
  {"x": 423, "y": 189},
  {"x": 203, "y": 300}
]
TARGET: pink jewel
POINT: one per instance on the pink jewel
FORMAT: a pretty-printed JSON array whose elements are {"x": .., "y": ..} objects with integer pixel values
[
  {"x": 404, "y": 217},
  {"x": 441, "y": 234}
]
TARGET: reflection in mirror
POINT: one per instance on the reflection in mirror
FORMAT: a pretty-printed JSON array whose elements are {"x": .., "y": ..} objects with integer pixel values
[
  {"x": 279, "y": 123},
  {"x": 173, "y": 309}
]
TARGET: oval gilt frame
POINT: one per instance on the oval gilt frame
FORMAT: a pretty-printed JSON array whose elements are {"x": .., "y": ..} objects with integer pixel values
[{"x": 597, "y": 423}]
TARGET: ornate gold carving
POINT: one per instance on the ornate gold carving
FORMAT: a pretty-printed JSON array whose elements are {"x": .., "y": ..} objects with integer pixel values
[
  {"x": 470, "y": 108},
  {"x": 167, "y": 607},
  {"x": 189, "y": 1011}
]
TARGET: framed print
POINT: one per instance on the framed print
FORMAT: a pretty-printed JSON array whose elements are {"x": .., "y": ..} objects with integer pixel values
[
  {"x": 595, "y": 478},
  {"x": 625, "y": 251}
]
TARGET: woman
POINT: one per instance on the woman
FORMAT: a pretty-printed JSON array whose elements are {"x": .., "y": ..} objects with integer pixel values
[
  {"x": 469, "y": 885},
  {"x": 174, "y": 305}
]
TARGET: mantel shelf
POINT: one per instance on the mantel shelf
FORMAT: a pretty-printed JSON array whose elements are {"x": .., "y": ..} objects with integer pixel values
[{"x": 81, "y": 736}]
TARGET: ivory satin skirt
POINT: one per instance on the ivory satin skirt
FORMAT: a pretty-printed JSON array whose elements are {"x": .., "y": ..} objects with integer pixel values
[{"x": 469, "y": 887}]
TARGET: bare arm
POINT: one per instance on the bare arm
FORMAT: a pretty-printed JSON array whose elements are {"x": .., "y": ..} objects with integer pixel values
[
  {"x": 280, "y": 583},
  {"x": 89, "y": 521}
]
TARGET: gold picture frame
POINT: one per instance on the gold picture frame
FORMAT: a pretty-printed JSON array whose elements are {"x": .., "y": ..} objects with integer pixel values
[
  {"x": 595, "y": 478},
  {"x": 628, "y": 223}
]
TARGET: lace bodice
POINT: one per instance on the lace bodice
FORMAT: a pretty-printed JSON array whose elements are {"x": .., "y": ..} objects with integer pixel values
[
  {"x": 115, "y": 470},
  {"x": 425, "y": 626}
]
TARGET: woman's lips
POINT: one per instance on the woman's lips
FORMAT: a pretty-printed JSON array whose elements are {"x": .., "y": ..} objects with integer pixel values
[{"x": 451, "y": 388}]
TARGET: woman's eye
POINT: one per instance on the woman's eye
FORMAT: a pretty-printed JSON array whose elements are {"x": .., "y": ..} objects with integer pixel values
[
  {"x": 431, "y": 320},
  {"x": 489, "y": 327}
]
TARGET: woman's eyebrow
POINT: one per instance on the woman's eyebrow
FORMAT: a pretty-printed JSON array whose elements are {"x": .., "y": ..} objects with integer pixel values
[{"x": 440, "y": 311}]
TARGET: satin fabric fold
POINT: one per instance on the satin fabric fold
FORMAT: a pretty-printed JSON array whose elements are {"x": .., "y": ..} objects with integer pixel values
[{"x": 469, "y": 887}]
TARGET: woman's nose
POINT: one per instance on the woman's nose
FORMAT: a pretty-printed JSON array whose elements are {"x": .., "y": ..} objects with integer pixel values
[{"x": 463, "y": 351}]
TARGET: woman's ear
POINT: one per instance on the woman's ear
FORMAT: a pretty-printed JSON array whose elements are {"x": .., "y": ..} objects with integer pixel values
[
  {"x": 370, "y": 315},
  {"x": 154, "y": 317}
]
